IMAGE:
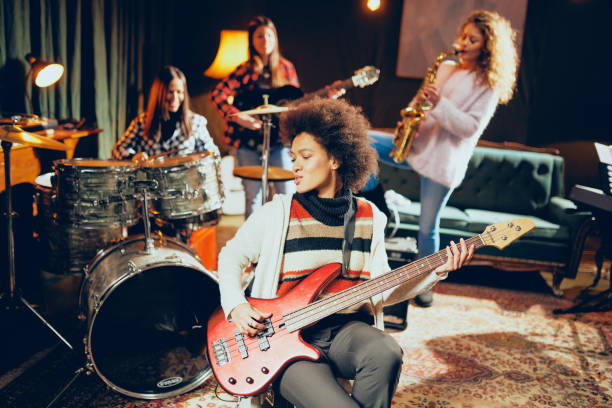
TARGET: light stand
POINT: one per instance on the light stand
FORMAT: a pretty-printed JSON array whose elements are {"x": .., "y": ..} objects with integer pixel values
[{"x": 13, "y": 297}]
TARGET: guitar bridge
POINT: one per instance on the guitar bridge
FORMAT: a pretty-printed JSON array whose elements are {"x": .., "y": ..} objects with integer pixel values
[
  {"x": 221, "y": 352},
  {"x": 262, "y": 336}
]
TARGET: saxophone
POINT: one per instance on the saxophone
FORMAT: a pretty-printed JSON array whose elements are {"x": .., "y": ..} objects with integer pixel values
[{"x": 412, "y": 116}]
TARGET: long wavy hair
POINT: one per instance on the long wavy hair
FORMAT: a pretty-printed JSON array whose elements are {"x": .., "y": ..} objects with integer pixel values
[
  {"x": 498, "y": 60},
  {"x": 157, "y": 109},
  {"x": 255, "y": 60}
]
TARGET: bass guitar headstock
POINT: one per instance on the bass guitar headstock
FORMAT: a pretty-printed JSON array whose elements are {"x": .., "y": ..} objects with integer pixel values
[
  {"x": 502, "y": 234},
  {"x": 365, "y": 76}
]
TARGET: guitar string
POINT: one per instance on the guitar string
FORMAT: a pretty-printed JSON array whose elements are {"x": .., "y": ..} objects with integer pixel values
[
  {"x": 387, "y": 278},
  {"x": 357, "y": 288},
  {"x": 313, "y": 309},
  {"x": 390, "y": 276},
  {"x": 344, "y": 299}
]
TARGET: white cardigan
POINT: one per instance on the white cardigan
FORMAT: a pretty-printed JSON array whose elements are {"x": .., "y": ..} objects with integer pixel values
[
  {"x": 447, "y": 138},
  {"x": 261, "y": 240}
]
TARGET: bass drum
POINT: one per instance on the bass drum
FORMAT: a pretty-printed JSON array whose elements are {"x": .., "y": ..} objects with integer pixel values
[{"x": 146, "y": 314}]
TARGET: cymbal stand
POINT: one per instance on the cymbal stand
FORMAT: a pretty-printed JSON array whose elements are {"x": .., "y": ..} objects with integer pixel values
[
  {"x": 77, "y": 373},
  {"x": 265, "y": 151},
  {"x": 14, "y": 294}
]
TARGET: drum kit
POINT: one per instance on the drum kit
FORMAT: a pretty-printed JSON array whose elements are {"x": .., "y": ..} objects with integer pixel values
[{"x": 145, "y": 299}]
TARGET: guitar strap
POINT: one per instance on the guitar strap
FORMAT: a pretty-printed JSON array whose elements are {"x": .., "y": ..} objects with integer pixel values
[{"x": 349, "y": 231}]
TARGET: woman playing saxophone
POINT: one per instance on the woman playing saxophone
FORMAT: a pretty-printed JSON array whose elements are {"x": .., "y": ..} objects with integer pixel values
[
  {"x": 414, "y": 114},
  {"x": 462, "y": 98}
]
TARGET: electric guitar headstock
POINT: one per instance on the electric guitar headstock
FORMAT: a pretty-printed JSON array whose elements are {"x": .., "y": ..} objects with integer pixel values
[
  {"x": 502, "y": 234},
  {"x": 365, "y": 76}
]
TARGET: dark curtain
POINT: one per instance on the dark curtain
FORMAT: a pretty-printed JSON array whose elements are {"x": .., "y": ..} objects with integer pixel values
[{"x": 110, "y": 51}]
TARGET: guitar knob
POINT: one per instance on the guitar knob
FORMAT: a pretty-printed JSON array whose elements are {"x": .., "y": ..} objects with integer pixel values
[
  {"x": 249, "y": 380},
  {"x": 265, "y": 370},
  {"x": 232, "y": 380}
]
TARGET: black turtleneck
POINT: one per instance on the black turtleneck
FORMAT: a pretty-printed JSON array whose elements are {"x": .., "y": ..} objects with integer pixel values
[{"x": 329, "y": 211}]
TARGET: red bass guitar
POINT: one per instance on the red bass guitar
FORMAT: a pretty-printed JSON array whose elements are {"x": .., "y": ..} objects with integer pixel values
[{"x": 245, "y": 365}]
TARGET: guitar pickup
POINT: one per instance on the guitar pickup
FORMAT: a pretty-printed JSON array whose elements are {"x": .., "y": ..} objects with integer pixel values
[
  {"x": 242, "y": 348},
  {"x": 262, "y": 336},
  {"x": 221, "y": 352}
]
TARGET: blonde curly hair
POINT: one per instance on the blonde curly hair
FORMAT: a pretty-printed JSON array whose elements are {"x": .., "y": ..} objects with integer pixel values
[{"x": 498, "y": 60}]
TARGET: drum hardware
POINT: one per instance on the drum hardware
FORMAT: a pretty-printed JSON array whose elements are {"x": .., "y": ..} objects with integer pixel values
[
  {"x": 10, "y": 134},
  {"x": 266, "y": 111},
  {"x": 143, "y": 186}
]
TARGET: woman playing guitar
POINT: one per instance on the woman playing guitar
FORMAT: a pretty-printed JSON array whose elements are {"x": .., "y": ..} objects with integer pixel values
[
  {"x": 292, "y": 236},
  {"x": 265, "y": 69}
]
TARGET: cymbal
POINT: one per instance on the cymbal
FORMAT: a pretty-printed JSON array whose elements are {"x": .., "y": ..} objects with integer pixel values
[
  {"x": 255, "y": 173},
  {"x": 14, "y": 134},
  {"x": 264, "y": 110}
]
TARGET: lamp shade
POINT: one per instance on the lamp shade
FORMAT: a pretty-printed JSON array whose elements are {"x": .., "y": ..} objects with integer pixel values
[
  {"x": 233, "y": 50},
  {"x": 44, "y": 73}
]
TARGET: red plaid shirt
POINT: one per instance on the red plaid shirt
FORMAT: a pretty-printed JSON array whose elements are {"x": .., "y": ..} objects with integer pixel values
[{"x": 243, "y": 80}]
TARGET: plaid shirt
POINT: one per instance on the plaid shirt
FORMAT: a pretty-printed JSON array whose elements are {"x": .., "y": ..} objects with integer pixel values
[
  {"x": 133, "y": 140},
  {"x": 243, "y": 80}
]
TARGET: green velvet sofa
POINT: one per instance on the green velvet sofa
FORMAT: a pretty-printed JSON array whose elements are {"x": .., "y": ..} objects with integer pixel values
[{"x": 501, "y": 184}]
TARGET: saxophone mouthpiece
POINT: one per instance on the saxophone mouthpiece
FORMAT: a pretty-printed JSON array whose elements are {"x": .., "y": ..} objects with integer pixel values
[{"x": 456, "y": 50}]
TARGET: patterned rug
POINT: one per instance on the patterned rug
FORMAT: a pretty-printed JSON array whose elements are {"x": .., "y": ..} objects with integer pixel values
[{"x": 476, "y": 347}]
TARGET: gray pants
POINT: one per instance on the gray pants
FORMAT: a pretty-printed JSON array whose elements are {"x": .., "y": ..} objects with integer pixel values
[{"x": 353, "y": 350}]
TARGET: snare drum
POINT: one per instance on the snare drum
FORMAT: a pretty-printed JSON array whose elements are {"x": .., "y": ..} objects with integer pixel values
[
  {"x": 188, "y": 185},
  {"x": 94, "y": 193},
  {"x": 65, "y": 249}
]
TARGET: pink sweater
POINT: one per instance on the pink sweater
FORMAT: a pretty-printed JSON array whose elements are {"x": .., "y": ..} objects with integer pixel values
[{"x": 446, "y": 141}]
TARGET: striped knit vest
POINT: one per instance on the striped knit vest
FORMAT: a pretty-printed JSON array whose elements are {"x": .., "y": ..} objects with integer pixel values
[{"x": 314, "y": 239}]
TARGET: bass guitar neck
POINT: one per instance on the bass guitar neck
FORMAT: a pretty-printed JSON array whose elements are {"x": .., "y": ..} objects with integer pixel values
[{"x": 290, "y": 94}]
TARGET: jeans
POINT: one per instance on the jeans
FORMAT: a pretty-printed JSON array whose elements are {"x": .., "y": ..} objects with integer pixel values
[
  {"x": 279, "y": 157},
  {"x": 433, "y": 195}
]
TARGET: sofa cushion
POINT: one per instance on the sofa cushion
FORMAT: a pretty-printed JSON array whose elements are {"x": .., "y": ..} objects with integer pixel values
[
  {"x": 498, "y": 179},
  {"x": 480, "y": 219},
  {"x": 409, "y": 214},
  {"x": 507, "y": 180}
]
